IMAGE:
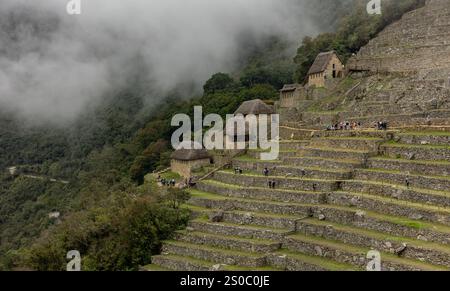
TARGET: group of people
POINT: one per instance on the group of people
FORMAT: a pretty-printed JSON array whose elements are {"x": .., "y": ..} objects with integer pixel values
[
  {"x": 167, "y": 182},
  {"x": 238, "y": 170},
  {"x": 345, "y": 125},
  {"x": 272, "y": 184},
  {"x": 381, "y": 125}
]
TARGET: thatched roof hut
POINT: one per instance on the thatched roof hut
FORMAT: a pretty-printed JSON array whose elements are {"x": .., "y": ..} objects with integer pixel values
[
  {"x": 255, "y": 107},
  {"x": 187, "y": 152}
]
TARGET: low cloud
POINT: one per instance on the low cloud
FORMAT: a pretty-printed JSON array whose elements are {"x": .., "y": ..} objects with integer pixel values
[{"x": 52, "y": 65}]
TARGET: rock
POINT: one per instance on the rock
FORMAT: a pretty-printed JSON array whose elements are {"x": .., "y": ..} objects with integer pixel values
[
  {"x": 410, "y": 156},
  {"x": 354, "y": 201},
  {"x": 218, "y": 267},
  {"x": 424, "y": 142},
  {"x": 321, "y": 217},
  {"x": 400, "y": 250},
  {"x": 248, "y": 217},
  {"x": 422, "y": 238},
  {"x": 190, "y": 228},
  {"x": 360, "y": 214},
  {"x": 388, "y": 244},
  {"x": 230, "y": 261},
  {"x": 216, "y": 217},
  {"x": 318, "y": 251},
  {"x": 416, "y": 217}
]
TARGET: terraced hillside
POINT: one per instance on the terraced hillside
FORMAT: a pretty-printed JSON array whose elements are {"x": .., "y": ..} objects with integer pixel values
[
  {"x": 401, "y": 76},
  {"x": 337, "y": 196},
  {"x": 340, "y": 194}
]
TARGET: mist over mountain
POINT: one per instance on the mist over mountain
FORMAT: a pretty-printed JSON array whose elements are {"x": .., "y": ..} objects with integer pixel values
[{"x": 53, "y": 65}]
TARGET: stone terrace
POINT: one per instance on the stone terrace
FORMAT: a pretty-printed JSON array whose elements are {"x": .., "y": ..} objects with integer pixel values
[{"x": 338, "y": 195}]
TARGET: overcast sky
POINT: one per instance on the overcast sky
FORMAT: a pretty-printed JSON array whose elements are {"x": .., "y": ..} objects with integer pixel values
[{"x": 52, "y": 64}]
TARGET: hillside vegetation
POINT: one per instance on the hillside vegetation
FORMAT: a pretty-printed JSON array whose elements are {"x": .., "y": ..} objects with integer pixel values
[{"x": 107, "y": 211}]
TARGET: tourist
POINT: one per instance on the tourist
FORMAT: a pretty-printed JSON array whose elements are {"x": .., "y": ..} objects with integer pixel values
[
  {"x": 407, "y": 183},
  {"x": 266, "y": 172}
]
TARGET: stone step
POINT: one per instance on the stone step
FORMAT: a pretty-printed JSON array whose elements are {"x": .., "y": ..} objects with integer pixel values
[
  {"x": 399, "y": 192},
  {"x": 441, "y": 183},
  {"x": 153, "y": 268},
  {"x": 290, "y": 133},
  {"x": 186, "y": 263},
  {"x": 255, "y": 165},
  {"x": 319, "y": 162},
  {"x": 432, "y": 253},
  {"x": 414, "y": 211},
  {"x": 256, "y": 154},
  {"x": 351, "y": 143},
  {"x": 277, "y": 169},
  {"x": 311, "y": 173},
  {"x": 333, "y": 153},
  {"x": 181, "y": 263},
  {"x": 215, "y": 254},
  {"x": 420, "y": 152},
  {"x": 259, "y": 180},
  {"x": 286, "y": 145},
  {"x": 377, "y": 221},
  {"x": 292, "y": 261},
  {"x": 280, "y": 195},
  {"x": 353, "y": 255},
  {"x": 240, "y": 230},
  {"x": 214, "y": 201},
  {"x": 439, "y": 168},
  {"x": 362, "y": 133},
  {"x": 228, "y": 242}
]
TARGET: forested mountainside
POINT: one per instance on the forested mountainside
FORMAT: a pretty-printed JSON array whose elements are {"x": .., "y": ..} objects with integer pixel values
[{"x": 107, "y": 212}]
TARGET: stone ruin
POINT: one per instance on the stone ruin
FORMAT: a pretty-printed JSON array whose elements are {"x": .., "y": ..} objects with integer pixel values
[{"x": 340, "y": 194}]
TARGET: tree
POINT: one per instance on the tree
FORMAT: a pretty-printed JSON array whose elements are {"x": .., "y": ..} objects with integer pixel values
[{"x": 218, "y": 82}]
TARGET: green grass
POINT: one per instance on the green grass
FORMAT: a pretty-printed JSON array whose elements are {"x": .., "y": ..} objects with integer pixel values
[
  {"x": 327, "y": 264},
  {"x": 362, "y": 251},
  {"x": 229, "y": 237},
  {"x": 397, "y": 186},
  {"x": 415, "y": 146},
  {"x": 425, "y": 133},
  {"x": 213, "y": 249},
  {"x": 381, "y": 236},
  {"x": 328, "y": 149},
  {"x": 395, "y": 172},
  {"x": 356, "y": 138},
  {"x": 254, "y": 160},
  {"x": 257, "y": 175},
  {"x": 422, "y": 162},
  {"x": 154, "y": 268}
]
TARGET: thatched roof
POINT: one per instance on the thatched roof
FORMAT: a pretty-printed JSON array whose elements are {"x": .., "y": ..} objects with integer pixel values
[
  {"x": 186, "y": 152},
  {"x": 321, "y": 62},
  {"x": 254, "y": 107},
  {"x": 290, "y": 87}
]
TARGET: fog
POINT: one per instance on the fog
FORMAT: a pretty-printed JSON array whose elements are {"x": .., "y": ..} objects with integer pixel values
[{"x": 53, "y": 65}]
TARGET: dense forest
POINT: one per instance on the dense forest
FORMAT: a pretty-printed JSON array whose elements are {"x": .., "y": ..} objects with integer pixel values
[{"x": 107, "y": 211}]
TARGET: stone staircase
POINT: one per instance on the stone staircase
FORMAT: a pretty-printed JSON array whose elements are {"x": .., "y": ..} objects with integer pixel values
[{"x": 338, "y": 195}]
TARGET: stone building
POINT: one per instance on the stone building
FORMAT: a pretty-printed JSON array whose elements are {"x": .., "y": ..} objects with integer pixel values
[
  {"x": 185, "y": 161},
  {"x": 291, "y": 94},
  {"x": 327, "y": 66}
]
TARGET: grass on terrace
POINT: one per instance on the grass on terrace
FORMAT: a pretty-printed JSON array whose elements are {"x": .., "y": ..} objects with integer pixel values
[
  {"x": 380, "y": 236},
  {"x": 415, "y": 146},
  {"x": 395, "y": 172}
]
